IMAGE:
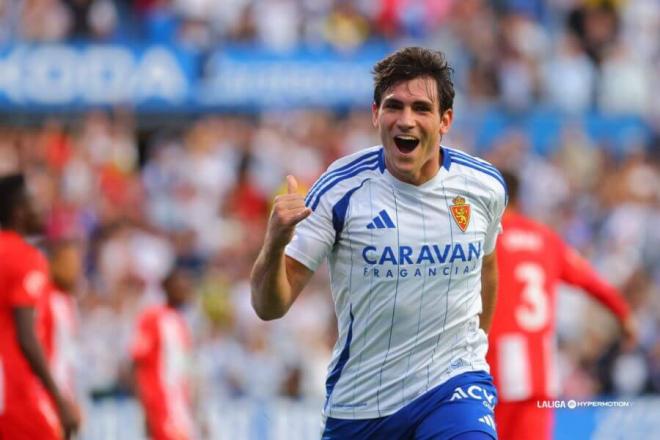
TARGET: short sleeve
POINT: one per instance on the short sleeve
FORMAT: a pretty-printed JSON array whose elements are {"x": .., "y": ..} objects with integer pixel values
[
  {"x": 314, "y": 237},
  {"x": 328, "y": 199},
  {"x": 498, "y": 204}
]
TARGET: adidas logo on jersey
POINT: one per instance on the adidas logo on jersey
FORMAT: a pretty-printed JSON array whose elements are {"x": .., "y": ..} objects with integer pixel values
[
  {"x": 488, "y": 420},
  {"x": 381, "y": 221}
]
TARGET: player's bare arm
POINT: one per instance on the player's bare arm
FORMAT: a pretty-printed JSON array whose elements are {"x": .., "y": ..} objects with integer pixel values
[
  {"x": 488, "y": 290},
  {"x": 630, "y": 332},
  {"x": 31, "y": 349},
  {"x": 277, "y": 280}
]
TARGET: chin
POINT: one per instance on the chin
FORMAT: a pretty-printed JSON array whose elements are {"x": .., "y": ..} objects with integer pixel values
[
  {"x": 406, "y": 161},
  {"x": 404, "y": 169}
]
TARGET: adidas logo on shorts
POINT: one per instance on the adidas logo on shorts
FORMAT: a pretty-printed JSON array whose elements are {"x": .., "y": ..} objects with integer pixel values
[{"x": 488, "y": 420}]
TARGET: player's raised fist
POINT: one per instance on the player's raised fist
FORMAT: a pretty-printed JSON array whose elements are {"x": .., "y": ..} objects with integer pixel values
[{"x": 288, "y": 210}]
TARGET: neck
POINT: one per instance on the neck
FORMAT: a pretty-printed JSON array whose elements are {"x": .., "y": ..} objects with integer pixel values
[
  {"x": 426, "y": 172},
  {"x": 512, "y": 207},
  {"x": 173, "y": 305}
]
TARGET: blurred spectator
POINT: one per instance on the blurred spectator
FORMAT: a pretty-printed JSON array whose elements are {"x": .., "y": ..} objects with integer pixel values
[
  {"x": 570, "y": 77},
  {"x": 45, "y": 20},
  {"x": 9, "y": 19},
  {"x": 346, "y": 28},
  {"x": 625, "y": 82},
  {"x": 278, "y": 23},
  {"x": 596, "y": 24},
  {"x": 95, "y": 19}
]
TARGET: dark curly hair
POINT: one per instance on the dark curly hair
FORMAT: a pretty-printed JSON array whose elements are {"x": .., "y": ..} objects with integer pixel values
[
  {"x": 413, "y": 62},
  {"x": 12, "y": 189}
]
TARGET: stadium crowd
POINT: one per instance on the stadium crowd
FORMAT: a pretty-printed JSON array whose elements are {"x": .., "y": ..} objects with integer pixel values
[{"x": 197, "y": 193}]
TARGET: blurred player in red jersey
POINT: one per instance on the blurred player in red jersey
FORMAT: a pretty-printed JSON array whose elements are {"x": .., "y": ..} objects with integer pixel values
[
  {"x": 59, "y": 318},
  {"x": 161, "y": 356},
  {"x": 30, "y": 400},
  {"x": 532, "y": 260}
]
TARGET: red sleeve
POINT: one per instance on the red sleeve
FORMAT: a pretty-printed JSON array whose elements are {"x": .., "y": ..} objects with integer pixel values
[
  {"x": 577, "y": 271},
  {"x": 144, "y": 340}
]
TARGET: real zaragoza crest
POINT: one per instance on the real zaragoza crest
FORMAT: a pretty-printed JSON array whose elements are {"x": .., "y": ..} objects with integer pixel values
[{"x": 461, "y": 212}]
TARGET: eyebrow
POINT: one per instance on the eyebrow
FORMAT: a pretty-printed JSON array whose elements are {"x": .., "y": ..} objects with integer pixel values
[{"x": 414, "y": 103}]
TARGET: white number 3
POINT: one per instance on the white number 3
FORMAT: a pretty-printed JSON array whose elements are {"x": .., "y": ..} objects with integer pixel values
[{"x": 533, "y": 313}]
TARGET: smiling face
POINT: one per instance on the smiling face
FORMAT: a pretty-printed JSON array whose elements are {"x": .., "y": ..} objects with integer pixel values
[{"x": 411, "y": 126}]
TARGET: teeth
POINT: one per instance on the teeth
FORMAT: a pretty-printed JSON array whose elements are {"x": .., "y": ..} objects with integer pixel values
[{"x": 407, "y": 137}]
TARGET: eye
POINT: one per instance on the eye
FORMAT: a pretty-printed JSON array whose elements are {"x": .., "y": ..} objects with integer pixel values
[
  {"x": 422, "y": 108},
  {"x": 392, "y": 105}
]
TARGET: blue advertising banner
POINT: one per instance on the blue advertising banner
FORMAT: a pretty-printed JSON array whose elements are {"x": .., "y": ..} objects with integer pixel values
[
  {"x": 167, "y": 78},
  {"x": 73, "y": 77},
  {"x": 241, "y": 78}
]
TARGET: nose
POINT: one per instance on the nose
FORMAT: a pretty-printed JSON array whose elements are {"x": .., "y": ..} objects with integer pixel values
[{"x": 406, "y": 120}]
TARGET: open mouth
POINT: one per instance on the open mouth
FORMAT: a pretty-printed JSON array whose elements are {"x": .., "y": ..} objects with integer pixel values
[{"x": 406, "y": 143}]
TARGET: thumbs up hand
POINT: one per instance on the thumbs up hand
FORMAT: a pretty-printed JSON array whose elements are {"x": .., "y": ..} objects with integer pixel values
[
  {"x": 291, "y": 184},
  {"x": 288, "y": 210}
]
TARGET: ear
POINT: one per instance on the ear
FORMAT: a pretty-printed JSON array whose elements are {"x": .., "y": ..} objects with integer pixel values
[
  {"x": 445, "y": 121},
  {"x": 374, "y": 114}
]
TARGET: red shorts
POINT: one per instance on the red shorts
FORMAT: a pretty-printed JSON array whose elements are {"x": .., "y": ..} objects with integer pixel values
[{"x": 523, "y": 420}]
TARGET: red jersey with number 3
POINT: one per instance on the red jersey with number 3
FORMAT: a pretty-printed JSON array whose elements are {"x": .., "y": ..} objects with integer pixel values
[
  {"x": 532, "y": 259},
  {"x": 26, "y": 410}
]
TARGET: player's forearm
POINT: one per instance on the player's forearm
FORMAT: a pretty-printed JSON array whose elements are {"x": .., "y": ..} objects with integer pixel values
[
  {"x": 270, "y": 280},
  {"x": 488, "y": 291},
  {"x": 31, "y": 349},
  {"x": 607, "y": 295},
  {"x": 271, "y": 290}
]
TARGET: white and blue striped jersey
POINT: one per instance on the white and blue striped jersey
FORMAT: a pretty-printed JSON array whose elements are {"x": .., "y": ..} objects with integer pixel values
[{"x": 405, "y": 270}]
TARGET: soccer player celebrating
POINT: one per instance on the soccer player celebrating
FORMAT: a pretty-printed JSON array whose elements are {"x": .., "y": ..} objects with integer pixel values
[
  {"x": 533, "y": 259},
  {"x": 409, "y": 229},
  {"x": 161, "y": 355},
  {"x": 30, "y": 400}
]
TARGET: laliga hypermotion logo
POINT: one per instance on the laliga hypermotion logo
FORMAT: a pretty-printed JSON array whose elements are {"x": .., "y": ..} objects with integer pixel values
[{"x": 461, "y": 212}]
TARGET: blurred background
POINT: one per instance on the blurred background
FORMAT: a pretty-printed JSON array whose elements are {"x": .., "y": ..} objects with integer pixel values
[{"x": 158, "y": 131}]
